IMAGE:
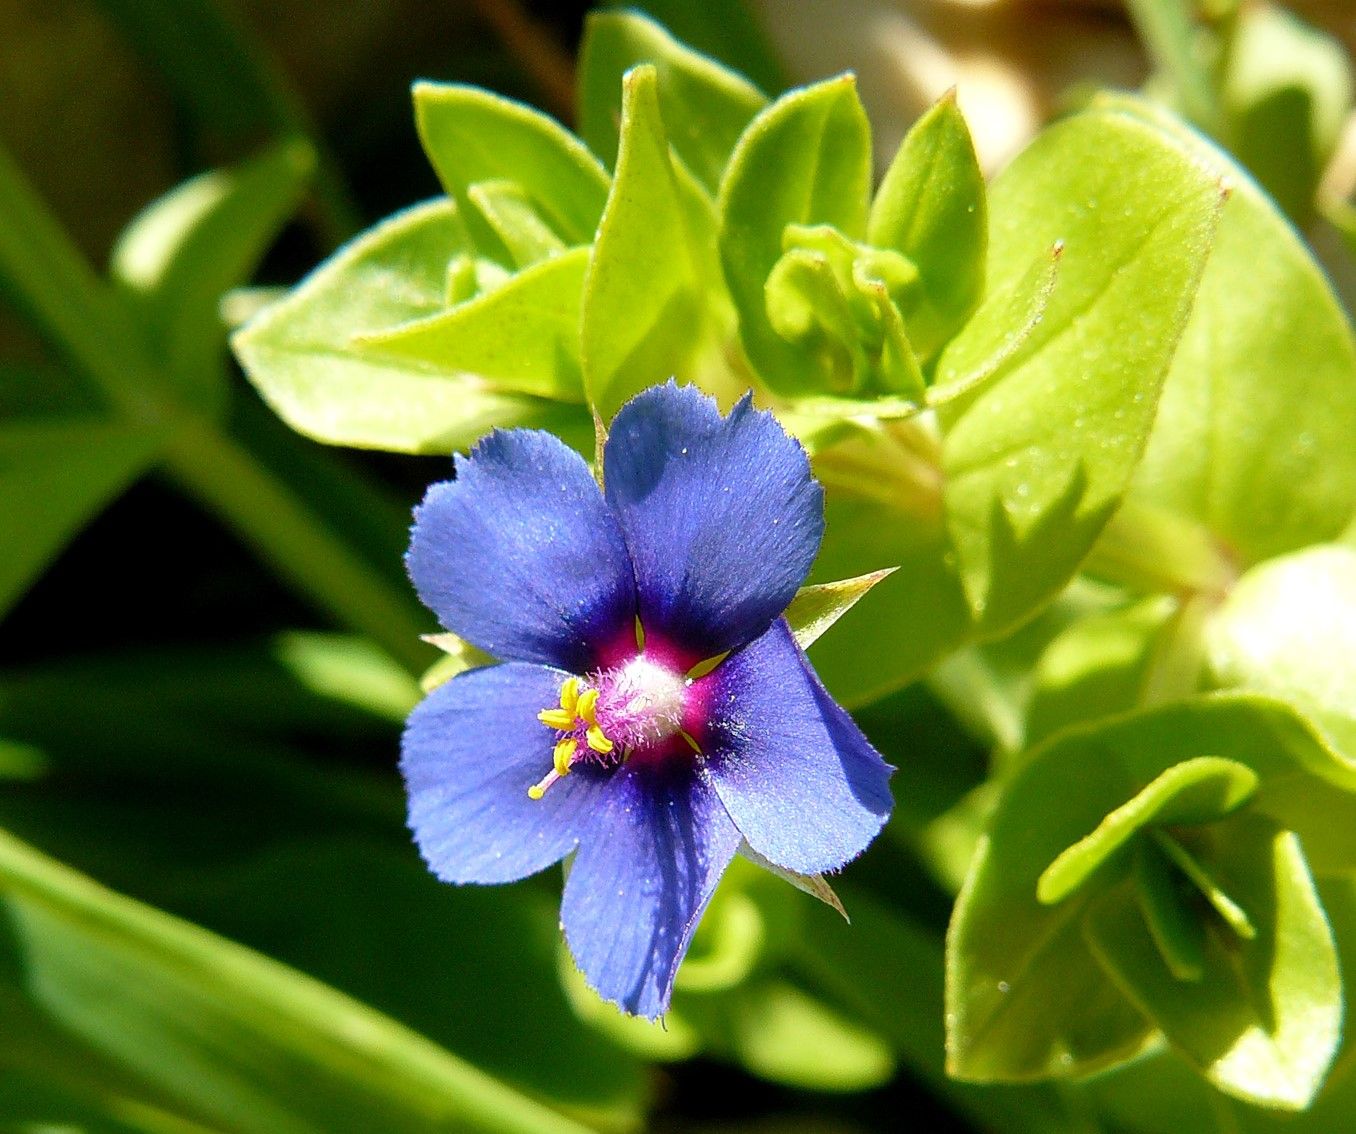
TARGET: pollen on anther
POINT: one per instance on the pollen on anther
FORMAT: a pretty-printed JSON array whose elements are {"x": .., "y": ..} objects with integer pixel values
[
  {"x": 598, "y": 741},
  {"x": 588, "y": 702}
]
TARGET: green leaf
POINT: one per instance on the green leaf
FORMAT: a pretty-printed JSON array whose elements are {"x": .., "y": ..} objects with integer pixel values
[
  {"x": 644, "y": 313},
  {"x": 1252, "y": 440},
  {"x": 1037, "y": 459},
  {"x": 304, "y": 356},
  {"x": 56, "y": 474},
  {"x": 1264, "y": 1020},
  {"x": 182, "y": 253},
  {"x": 988, "y": 522},
  {"x": 1027, "y": 298},
  {"x": 1097, "y": 667},
  {"x": 471, "y": 136},
  {"x": 781, "y": 1033},
  {"x": 1288, "y": 628},
  {"x": 726, "y": 31},
  {"x": 818, "y": 607},
  {"x": 931, "y": 208},
  {"x": 235, "y": 1038},
  {"x": 805, "y": 160},
  {"x": 1025, "y": 998},
  {"x": 706, "y": 106},
  {"x": 522, "y": 337},
  {"x": 1195, "y": 791},
  {"x": 507, "y": 209},
  {"x": 1287, "y": 88}
]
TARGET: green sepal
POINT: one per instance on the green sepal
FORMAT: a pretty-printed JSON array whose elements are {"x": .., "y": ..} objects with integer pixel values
[{"x": 816, "y": 608}]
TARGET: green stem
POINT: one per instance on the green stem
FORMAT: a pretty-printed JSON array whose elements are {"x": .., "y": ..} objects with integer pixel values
[
  {"x": 280, "y": 526},
  {"x": 84, "y": 320}
]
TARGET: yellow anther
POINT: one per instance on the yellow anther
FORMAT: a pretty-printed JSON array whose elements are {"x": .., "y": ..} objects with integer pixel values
[
  {"x": 597, "y": 741},
  {"x": 588, "y": 702},
  {"x": 536, "y": 791},
  {"x": 564, "y": 755},
  {"x": 556, "y": 718},
  {"x": 569, "y": 695}
]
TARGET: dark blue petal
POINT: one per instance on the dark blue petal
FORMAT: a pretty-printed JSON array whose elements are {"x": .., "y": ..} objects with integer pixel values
[
  {"x": 656, "y": 846},
  {"x": 471, "y": 750},
  {"x": 721, "y": 515},
  {"x": 804, "y": 786},
  {"x": 521, "y": 556}
]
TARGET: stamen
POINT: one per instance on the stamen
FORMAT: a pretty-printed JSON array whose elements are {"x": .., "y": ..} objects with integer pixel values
[
  {"x": 557, "y": 719},
  {"x": 598, "y": 741},
  {"x": 588, "y": 703},
  {"x": 569, "y": 696},
  {"x": 564, "y": 755}
]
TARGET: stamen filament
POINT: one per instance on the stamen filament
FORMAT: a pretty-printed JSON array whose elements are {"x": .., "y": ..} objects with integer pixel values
[{"x": 537, "y": 790}]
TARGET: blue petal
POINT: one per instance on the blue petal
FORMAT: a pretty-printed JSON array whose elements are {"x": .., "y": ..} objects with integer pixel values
[
  {"x": 471, "y": 750},
  {"x": 801, "y": 782},
  {"x": 721, "y": 515},
  {"x": 521, "y": 556},
  {"x": 656, "y": 846}
]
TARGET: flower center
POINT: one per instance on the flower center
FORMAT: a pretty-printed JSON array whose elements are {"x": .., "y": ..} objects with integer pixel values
[{"x": 605, "y": 717}]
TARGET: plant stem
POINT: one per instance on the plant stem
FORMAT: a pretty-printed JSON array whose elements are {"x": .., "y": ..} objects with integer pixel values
[
  {"x": 1156, "y": 552},
  {"x": 279, "y": 525}
]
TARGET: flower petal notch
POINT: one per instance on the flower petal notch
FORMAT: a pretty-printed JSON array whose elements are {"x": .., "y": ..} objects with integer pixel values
[{"x": 651, "y": 711}]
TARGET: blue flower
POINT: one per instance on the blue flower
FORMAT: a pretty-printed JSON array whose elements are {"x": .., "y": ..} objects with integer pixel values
[{"x": 606, "y": 730}]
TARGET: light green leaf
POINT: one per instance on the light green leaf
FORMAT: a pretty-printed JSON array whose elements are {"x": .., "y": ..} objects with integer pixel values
[
  {"x": 805, "y": 160},
  {"x": 1012, "y": 1013},
  {"x": 818, "y": 607},
  {"x": 471, "y": 135},
  {"x": 180, "y": 256},
  {"x": 238, "y": 1040},
  {"x": 304, "y": 356},
  {"x": 1097, "y": 667},
  {"x": 1198, "y": 790},
  {"x": 781, "y": 1033},
  {"x": 644, "y": 304},
  {"x": 1027, "y": 297},
  {"x": 1287, "y": 88},
  {"x": 507, "y": 209},
  {"x": 1288, "y": 628},
  {"x": 1264, "y": 1020},
  {"x": 56, "y": 474},
  {"x": 1253, "y": 437},
  {"x": 522, "y": 337},
  {"x": 706, "y": 106},
  {"x": 931, "y": 208},
  {"x": 990, "y": 520},
  {"x": 1036, "y": 460}
]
